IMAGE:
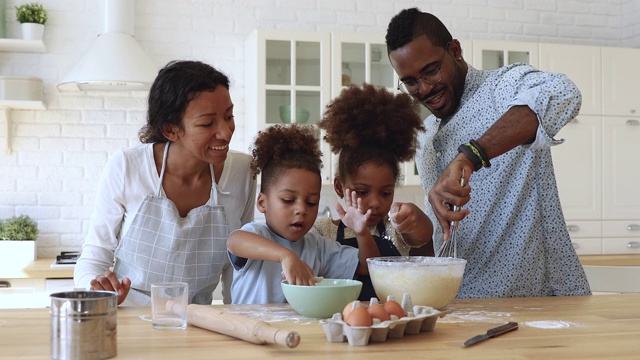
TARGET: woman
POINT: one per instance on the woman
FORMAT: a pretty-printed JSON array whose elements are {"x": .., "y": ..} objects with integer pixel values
[{"x": 164, "y": 209}]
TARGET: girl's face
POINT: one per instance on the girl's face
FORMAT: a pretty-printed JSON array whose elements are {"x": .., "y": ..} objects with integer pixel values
[
  {"x": 208, "y": 125},
  {"x": 290, "y": 204},
  {"x": 375, "y": 185}
]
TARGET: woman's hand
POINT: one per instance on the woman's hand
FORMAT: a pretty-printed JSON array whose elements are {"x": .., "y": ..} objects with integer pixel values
[
  {"x": 447, "y": 190},
  {"x": 353, "y": 216},
  {"x": 109, "y": 282}
]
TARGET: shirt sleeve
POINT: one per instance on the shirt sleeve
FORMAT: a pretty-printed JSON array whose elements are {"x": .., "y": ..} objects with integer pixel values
[
  {"x": 105, "y": 224},
  {"x": 554, "y": 98}
]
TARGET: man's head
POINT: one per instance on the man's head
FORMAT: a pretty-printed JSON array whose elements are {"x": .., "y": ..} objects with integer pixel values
[{"x": 427, "y": 60}]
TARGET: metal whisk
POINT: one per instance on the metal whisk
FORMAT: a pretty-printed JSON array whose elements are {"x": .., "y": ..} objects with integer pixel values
[{"x": 448, "y": 247}]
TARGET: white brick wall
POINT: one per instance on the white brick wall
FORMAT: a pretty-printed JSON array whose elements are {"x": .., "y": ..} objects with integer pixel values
[{"x": 58, "y": 153}]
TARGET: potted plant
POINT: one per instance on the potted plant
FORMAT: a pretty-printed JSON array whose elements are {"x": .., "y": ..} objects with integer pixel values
[
  {"x": 18, "y": 242},
  {"x": 32, "y": 18}
]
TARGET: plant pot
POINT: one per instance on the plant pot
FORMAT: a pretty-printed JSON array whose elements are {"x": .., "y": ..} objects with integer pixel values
[
  {"x": 32, "y": 31},
  {"x": 15, "y": 255}
]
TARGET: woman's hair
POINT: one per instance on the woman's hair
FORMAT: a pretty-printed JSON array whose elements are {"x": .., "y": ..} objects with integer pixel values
[
  {"x": 408, "y": 24},
  {"x": 175, "y": 86},
  {"x": 369, "y": 124},
  {"x": 284, "y": 147}
]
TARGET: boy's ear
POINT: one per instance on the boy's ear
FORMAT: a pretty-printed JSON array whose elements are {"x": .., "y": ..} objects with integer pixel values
[
  {"x": 337, "y": 186},
  {"x": 261, "y": 202}
]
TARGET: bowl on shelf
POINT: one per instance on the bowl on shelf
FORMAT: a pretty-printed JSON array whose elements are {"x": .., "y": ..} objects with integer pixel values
[
  {"x": 302, "y": 115},
  {"x": 326, "y": 298},
  {"x": 431, "y": 281}
]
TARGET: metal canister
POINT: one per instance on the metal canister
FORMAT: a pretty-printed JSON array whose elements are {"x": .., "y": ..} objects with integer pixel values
[{"x": 83, "y": 325}]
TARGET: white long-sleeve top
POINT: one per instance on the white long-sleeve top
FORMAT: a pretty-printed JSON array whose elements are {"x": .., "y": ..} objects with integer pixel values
[{"x": 130, "y": 175}]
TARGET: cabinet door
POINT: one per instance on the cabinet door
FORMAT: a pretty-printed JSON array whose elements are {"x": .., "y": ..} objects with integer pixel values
[
  {"x": 287, "y": 80},
  {"x": 620, "y": 79},
  {"x": 578, "y": 167},
  {"x": 621, "y": 146},
  {"x": 583, "y": 65},
  {"x": 490, "y": 55}
]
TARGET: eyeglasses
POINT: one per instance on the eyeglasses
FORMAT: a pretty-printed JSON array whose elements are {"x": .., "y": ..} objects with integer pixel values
[{"x": 430, "y": 76}]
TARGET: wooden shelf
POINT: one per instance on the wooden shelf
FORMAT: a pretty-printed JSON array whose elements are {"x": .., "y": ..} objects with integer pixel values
[{"x": 19, "y": 45}]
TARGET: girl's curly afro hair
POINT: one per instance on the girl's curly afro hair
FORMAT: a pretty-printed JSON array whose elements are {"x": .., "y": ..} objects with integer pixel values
[
  {"x": 370, "y": 124},
  {"x": 283, "y": 147}
]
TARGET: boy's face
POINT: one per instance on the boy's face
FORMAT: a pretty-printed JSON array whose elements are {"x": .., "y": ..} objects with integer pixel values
[
  {"x": 290, "y": 204},
  {"x": 375, "y": 185}
]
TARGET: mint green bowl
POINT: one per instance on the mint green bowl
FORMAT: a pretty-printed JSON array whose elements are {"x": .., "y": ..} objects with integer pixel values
[{"x": 328, "y": 297}]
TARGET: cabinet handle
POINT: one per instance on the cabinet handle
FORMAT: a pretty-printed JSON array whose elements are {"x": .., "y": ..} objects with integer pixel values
[
  {"x": 633, "y": 245},
  {"x": 4, "y": 284},
  {"x": 575, "y": 245},
  {"x": 573, "y": 228},
  {"x": 633, "y": 122},
  {"x": 633, "y": 227}
]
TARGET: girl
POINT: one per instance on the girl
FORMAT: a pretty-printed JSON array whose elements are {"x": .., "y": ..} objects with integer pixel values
[
  {"x": 373, "y": 131},
  {"x": 289, "y": 160}
]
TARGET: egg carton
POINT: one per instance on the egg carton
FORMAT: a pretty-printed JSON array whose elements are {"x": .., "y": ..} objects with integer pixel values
[{"x": 418, "y": 319}]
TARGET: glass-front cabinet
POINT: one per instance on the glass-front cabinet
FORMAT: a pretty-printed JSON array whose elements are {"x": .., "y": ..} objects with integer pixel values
[
  {"x": 489, "y": 55},
  {"x": 287, "y": 80}
]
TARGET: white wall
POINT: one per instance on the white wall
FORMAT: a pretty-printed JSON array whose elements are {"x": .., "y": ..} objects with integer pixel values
[{"x": 58, "y": 153}]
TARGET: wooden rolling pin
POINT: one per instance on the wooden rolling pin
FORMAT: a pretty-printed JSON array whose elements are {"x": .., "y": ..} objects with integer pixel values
[{"x": 238, "y": 326}]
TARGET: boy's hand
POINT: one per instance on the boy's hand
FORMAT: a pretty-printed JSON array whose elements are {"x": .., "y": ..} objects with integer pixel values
[{"x": 297, "y": 272}]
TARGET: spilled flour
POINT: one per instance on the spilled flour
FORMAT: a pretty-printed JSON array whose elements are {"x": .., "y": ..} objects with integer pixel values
[
  {"x": 551, "y": 324},
  {"x": 479, "y": 316}
]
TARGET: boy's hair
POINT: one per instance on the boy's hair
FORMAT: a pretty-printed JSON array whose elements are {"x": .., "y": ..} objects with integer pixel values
[
  {"x": 369, "y": 124},
  {"x": 283, "y": 147},
  {"x": 408, "y": 24}
]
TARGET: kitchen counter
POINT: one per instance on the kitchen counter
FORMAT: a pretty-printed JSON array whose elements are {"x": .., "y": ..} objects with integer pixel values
[
  {"x": 595, "y": 327},
  {"x": 610, "y": 260},
  {"x": 39, "y": 269}
]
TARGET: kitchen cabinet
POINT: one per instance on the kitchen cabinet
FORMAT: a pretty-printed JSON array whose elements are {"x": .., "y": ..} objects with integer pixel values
[
  {"x": 307, "y": 70},
  {"x": 620, "y": 76},
  {"x": 490, "y": 55},
  {"x": 30, "y": 287},
  {"x": 583, "y": 65},
  {"x": 287, "y": 69}
]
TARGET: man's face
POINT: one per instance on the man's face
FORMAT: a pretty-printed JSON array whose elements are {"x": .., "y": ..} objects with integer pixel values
[{"x": 419, "y": 60}]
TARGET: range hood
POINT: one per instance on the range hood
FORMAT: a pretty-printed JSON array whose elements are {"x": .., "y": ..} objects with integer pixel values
[{"x": 115, "y": 61}]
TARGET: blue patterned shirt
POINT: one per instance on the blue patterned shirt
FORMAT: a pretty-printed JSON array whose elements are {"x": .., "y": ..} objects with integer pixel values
[{"x": 515, "y": 239}]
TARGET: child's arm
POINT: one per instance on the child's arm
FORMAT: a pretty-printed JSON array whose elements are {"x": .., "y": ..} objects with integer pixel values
[
  {"x": 414, "y": 225},
  {"x": 355, "y": 220},
  {"x": 253, "y": 246}
]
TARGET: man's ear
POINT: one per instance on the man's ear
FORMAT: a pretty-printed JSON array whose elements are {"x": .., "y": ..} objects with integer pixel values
[
  {"x": 337, "y": 186},
  {"x": 171, "y": 132},
  {"x": 261, "y": 202}
]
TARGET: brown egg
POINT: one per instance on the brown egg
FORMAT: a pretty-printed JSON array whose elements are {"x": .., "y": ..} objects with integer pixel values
[
  {"x": 377, "y": 311},
  {"x": 393, "y": 308},
  {"x": 347, "y": 310},
  {"x": 359, "y": 317}
]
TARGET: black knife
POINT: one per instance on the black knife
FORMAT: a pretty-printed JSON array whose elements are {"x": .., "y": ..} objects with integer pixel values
[{"x": 492, "y": 333}]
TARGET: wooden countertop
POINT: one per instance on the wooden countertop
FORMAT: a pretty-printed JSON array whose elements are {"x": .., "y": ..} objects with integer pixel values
[
  {"x": 595, "y": 327},
  {"x": 610, "y": 260},
  {"x": 41, "y": 269}
]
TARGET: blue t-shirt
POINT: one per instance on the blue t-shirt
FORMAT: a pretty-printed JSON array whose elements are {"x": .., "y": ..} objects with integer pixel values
[{"x": 258, "y": 281}]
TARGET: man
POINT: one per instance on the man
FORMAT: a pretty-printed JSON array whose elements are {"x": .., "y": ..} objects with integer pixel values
[{"x": 498, "y": 127}]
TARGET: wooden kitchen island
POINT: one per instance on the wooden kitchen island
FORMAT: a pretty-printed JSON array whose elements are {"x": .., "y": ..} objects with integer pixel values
[{"x": 594, "y": 327}]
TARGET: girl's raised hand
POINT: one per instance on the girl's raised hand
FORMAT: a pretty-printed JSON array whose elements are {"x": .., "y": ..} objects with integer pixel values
[{"x": 354, "y": 216}]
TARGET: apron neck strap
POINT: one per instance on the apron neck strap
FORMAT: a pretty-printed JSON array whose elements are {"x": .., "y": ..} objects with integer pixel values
[{"x": 213, "y": 197}]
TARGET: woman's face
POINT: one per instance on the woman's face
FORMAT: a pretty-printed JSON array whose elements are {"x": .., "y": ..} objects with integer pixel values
[
  {"x": 375, "y": 185},
  {"x": 208, "y": 125},
  {"x": 290, "y": 204}
]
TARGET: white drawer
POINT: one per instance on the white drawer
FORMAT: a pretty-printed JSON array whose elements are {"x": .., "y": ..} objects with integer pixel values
[
  {"x": 621, "y": 245},
  {"x": 584, "y": 229},
  {"x": 22, "y": 286},
  {"x": 587, "y": 246},
  {"x": 59, "y": 285},
  {"x": 613, "y": 278},
  {"x": 621, "y": 228}
]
